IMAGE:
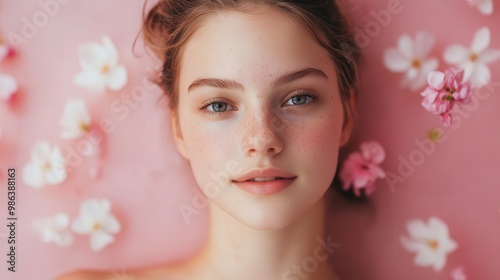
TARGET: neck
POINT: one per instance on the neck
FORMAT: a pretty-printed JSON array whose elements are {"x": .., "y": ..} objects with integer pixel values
[{"x": 299, "y": 251}]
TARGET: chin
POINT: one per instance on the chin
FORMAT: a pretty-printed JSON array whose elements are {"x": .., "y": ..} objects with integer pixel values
[
  {"x": 269, "y": 215},
  {"x": 265, "y": 223}
]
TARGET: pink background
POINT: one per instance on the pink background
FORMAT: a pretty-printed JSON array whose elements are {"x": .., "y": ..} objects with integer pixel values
[{"x": 146, "y": 180}]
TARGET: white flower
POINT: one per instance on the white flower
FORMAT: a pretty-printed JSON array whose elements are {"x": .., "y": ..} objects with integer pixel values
[
  {"x": 458, "y": 274},
  {"x": 484, "y": 6},
  {"x": 75, "y": 121},
  {"x": 474, "y": 60},
  {"x": 100, "y": 69},
  {"x": 410, "y": 57},
  {"x": 95, "y": 219},
  {"x": 55, "y": 229},
  {"x": 47, "y": 166},
  {"x": 431, "y": 242},
  {"x": 8, "y": 86}
]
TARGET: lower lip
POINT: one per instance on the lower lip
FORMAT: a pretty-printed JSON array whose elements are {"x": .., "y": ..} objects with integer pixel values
[{"x": 266, "y": 187}]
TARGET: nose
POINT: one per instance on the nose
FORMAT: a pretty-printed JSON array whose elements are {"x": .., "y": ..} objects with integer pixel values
[{"x": 261, "y": 134}]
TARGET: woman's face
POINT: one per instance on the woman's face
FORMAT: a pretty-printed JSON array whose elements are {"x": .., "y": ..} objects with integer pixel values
[{"x": 237, "y": 111}]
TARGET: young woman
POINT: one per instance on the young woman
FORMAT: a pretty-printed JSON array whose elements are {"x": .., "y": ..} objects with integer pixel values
[{"x": 261, "y": 98}]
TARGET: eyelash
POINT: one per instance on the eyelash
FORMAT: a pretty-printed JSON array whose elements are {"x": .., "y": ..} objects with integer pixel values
[{"x": 215, "y": 101}]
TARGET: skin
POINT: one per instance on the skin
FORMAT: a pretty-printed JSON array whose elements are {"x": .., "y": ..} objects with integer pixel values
[{"x": 259, "y": 124}]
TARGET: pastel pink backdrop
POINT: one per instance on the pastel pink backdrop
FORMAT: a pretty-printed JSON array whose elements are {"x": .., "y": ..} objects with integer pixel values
[{"x": 146, "y": 180}]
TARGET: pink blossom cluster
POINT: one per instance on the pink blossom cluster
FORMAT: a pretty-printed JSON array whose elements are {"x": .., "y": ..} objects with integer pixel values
[
  {"x": 361, "y": 168},
  {"x": 446, "y": 90}
]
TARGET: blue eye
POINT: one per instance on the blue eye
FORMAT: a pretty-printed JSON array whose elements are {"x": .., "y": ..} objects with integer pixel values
[
  {"x": 216, "y": 106},
  {"x": 301, "y": 99}
]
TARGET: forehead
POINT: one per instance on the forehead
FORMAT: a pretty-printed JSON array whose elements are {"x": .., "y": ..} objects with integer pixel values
[{"x": 252, "y": 48}]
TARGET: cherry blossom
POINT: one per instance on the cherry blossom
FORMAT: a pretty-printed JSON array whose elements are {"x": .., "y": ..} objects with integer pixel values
[
  {"x": 474, "y": 60},
  {"x": 360, "y": 169},
  {"x": 446, "y": 90},
  {"x": 54, "y": 229},
  {"x": 75, "y": 120},
  {"x": 100, "y": 68},
  {"x": 458, "y": 274},
  {"x": 47, "y": 166},
  {"x": 431, "y": 242},
  {"x": 410, "y": 57},
  {"x": 96, "y": 220},
  {"x": 8, "y": 87},
  {"x": 484, "y": 6},
  {"x": 6, "y": 50}
]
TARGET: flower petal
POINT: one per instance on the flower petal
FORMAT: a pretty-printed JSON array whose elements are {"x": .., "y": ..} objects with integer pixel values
[
  {"x": 92, "y": 80},
  {"x": 100, "y": 239},
  {"x": 489, "y": 56},
  {"x": 8, "y": 86},
  {"x": 425, "y": 258},
  {"x": 111, "y": 224},
  {"x": 449, "y": 245},
  {"x": 456, "y": 54},
  {"x": 360, "y": 181},
  {"x": 423, "y": 44},
  {"x": 481, "y": 75},
  {"x": 439, "y": 262},
  {"x": 418, "y": 230},
  {"x": 373, "y": 151},
  {"x": 406, "y": 47},
  {"x": 55, "y": 175},
  {"x": 111, "y": 50},
  {"x": 3, "y": 51},
  {"x": 395, "y": 61},
  {"x": 92, "y": 56},
  {"x": 437, "y": 226},
  {"x": 117, "y": 78},
  {"x": 436, "y": 79},
  {"x": 421, "y": 79},
  {"x": 485, "y": 7},
  {"x": 412, "y": 74},
  {"x": 410, "y": 244},
  {"x": 61, "y": 220},
  {"x": 57, "y": 172},
  {"x": 33, "y": 176},
  {"x": 96, "y": 208},
  {"x": 75, "y": 115},
  {"x": 481, "y": 40},
  {"x": 40, "y": 153}
]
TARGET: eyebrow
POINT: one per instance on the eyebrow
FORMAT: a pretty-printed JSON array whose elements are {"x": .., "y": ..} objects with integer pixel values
[{"x": 283, "y": 79}]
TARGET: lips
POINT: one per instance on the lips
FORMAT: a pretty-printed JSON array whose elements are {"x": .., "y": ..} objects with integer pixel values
[
  {"x": 267, "y": 181},
  {"x": 264, "y": 179},
  {"x": 264, "y": 175}
]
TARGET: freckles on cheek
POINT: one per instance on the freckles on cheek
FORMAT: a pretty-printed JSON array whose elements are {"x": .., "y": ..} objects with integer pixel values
[
  {"x": 320, "y": 135},
  {"x": 206, "y": 143}
]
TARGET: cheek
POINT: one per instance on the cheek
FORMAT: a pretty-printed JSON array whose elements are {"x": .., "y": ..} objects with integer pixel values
[
  {"x": 318, "y": 143},
  {"x": 322, "y": 133},
  {"x": 207, "y": 147}
]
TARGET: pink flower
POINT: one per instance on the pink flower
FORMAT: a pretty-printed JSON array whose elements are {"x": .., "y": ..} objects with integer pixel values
[
  {"x": 6, "y": 50},
  {"x": 444, "y": 91},
  {"x": 360, "y": 169},
  {"x": 458, "y": 274}
]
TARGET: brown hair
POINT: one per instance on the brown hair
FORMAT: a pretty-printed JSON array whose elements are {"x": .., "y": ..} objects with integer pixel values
[{"x": 170, "y": 23}]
